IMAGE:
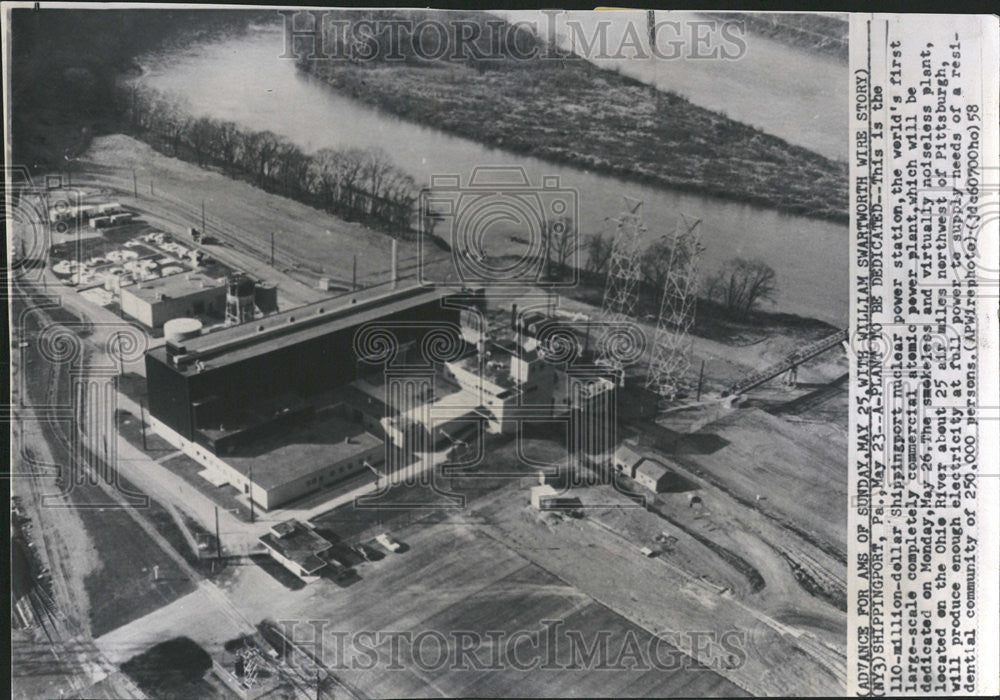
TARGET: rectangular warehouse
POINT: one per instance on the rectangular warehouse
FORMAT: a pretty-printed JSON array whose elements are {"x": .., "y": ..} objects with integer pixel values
[{"x": 155, "y": 302}]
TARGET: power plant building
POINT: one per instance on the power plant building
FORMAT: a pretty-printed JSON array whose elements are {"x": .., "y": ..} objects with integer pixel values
[{"x": 252, "y": 402}]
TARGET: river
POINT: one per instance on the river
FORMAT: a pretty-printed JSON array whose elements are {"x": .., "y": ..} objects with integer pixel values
[{"x": 242, "y": 79}]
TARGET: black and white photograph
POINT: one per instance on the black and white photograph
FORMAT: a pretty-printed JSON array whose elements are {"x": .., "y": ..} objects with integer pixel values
[{"x": 391, "y": 353}]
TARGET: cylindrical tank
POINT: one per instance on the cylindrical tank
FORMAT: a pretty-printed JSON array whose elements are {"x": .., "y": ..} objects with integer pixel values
[
  {"x": 239, "y": 285},
  {"x": 177, "y": 330},
  {"x": 239, "y": 298}
]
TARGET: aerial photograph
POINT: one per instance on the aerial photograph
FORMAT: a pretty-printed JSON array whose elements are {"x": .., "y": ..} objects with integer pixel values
[{"x": 425, "y": 353}]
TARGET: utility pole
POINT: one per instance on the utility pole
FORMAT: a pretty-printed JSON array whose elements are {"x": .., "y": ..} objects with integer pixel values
[
  {"x": 354, "y": 273},
  {"x": 701, "y": 379},
  {"x": 272, "y": 248},
  {"x": 142, "y": 423},
  {"x": 135, "y": 186},
  {"x": 151, "y": 193},
  {"x": 203, "y": 218},
  {"x": 378, "y": 511},
  {"x": 218, "y": 540}
]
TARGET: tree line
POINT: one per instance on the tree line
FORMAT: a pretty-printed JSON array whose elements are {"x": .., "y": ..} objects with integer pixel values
[
  {"x": 355, "y": 184},
  {"x": 737, "y": 287}
]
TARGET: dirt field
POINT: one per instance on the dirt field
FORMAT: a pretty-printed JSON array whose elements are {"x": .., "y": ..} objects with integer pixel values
[
  {"x": 454, "y": 577},
  {"x": 797, "y": 470}
]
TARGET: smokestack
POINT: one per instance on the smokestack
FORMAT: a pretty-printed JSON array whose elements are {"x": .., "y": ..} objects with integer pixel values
[
  {"x": 513, "y": 317},
  {"x": 395, "y": 263}
]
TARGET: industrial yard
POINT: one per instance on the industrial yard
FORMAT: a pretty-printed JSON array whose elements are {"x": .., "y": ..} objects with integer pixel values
[
  {"x": 724, "y": 550},
  {"x": 272, "y": 452}
]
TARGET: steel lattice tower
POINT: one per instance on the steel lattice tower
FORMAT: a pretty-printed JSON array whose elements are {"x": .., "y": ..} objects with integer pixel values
[
  {"x": 622, "y": 288},
  {"x": 670, "y": 355}
]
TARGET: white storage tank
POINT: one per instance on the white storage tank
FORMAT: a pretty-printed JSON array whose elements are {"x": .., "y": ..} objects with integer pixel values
[{"x": 177, "y": 330}]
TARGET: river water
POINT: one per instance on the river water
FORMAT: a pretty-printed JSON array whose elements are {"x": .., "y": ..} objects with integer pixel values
[{"x": 242, "y": 79}]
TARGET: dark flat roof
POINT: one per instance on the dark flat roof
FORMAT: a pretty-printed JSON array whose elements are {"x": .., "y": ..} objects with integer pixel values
[
  {"x": 354, "y": 397},
  {"x": 308, "y": 447},
  {"x": 298, "y": 543},
  {"x": 262, "y": 336}
]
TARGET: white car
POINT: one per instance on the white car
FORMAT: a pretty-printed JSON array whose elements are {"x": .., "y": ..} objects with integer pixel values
[{"x": 386, "y": 541}]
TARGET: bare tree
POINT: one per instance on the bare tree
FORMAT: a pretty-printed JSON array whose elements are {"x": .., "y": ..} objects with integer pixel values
[
  {"x": 654, "y": 266},
  {"x": 293, "y": 169},
  {"x": 259, "y": 151},
  {"x": 177, "y": 128},
  {"x": 226, "y": 144},
  {"x": 376, "y": 172},
  {"x": 742, "y": 284},
  {"x": 324, "y": 178},
  {"x": 560, "y": 241},
  {"x": 659, "y": 259},
  {"x": 350, "y": 173},
  {"x": 199, "y": 138},
  {"x": 597, "y": 247}
]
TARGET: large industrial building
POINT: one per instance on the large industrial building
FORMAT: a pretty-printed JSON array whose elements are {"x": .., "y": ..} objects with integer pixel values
[{"x": 267, "y": 405}]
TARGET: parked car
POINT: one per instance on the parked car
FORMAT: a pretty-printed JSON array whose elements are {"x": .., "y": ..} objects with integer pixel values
[
  {"x": 388, "y": 542},
  {"x": 369, "y": 553}
]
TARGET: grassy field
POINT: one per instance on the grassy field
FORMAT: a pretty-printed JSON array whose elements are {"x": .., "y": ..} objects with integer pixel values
[
  {"x": 171, "y": 669},
  {"x": 129, "y": 428},
  {"x": 225, "y": 496}
]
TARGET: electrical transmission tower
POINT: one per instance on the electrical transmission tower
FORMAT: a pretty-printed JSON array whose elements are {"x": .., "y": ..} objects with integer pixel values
[
  {"x": 670, "y": 355},
  {"x": 621, "y": 290}
]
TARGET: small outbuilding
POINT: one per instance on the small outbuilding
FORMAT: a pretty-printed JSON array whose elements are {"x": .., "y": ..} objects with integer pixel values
[
  {"x": 542, "y": 495},
  {"x": 626, "y": 460},
  {"x": 653, "y": 476},
  {"x": 297, "y": 547}
]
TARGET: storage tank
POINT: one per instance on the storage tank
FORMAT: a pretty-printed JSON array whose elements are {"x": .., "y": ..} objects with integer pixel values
[
  {"x": 239, "y": 298},
  {"x": 177, "y": 330}
]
